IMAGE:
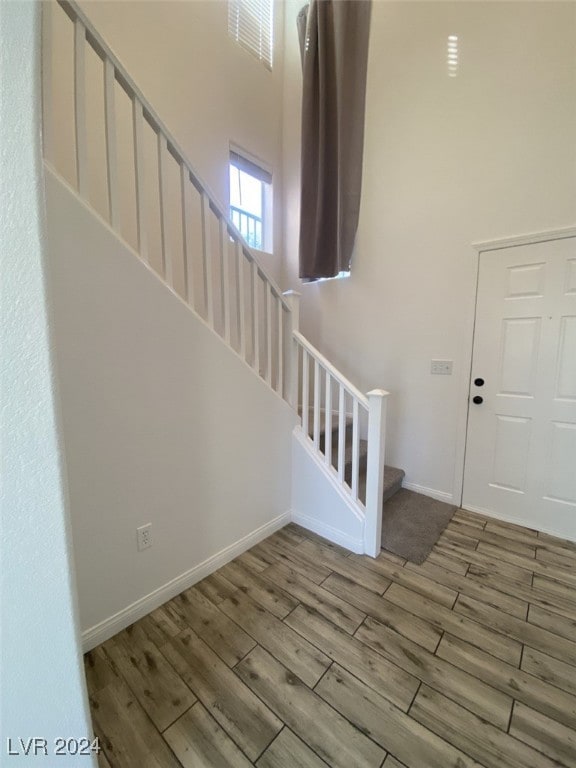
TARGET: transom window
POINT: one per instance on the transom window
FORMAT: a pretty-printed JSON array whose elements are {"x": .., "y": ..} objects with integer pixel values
[{"x": 250, "y": 23}]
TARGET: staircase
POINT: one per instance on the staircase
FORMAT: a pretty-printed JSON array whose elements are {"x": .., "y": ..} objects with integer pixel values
[
  {"x": 393, "y": 477},
  {"x": 194, "y": 249}
]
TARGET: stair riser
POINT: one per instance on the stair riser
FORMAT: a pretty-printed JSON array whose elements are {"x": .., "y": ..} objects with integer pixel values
[
  {"x": 362, "y": 466},
  {"x": 392, "y": 477},
  {"x": 347, "y": 438},
  {"x": 388, "y": 493}
]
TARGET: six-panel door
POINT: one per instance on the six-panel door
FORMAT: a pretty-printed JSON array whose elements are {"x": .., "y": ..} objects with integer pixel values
[{"x": 521, "y": 443}]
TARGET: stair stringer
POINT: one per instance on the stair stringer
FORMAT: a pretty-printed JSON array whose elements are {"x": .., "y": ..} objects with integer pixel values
[{"x": 319, "y": 502}]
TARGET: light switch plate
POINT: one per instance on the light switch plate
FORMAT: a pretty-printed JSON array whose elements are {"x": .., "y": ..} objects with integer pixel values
[{"x": 441, "y": 367}]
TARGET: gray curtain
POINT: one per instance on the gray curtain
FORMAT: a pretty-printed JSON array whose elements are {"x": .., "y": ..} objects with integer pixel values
[{"x": 334, "y": 45}]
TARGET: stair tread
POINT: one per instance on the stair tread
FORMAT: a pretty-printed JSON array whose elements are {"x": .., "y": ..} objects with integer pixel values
[
  {"x": 335, "y": 419},
  {"x": 393, "y": 476},
  {"x": 335, "y": 429}
]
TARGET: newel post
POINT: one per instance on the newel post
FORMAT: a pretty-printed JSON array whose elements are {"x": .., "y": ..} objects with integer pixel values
[
  {"x": 293, "y": 300},
  {"x": 377, "y": 402}
]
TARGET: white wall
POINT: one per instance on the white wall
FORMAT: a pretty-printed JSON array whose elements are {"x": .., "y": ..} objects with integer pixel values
[
  {"x": 42, "y": 685},
  {"x": 162, "y": 423},
  {"x": 208, "y": 90},
  {"x": 320, "y": 504},
  {"x": 448, "y": 161}
]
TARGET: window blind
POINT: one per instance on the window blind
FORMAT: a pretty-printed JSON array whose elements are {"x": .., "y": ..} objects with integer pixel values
[
  {"x": 249, "y": 167},
  {"x": 250, "y": 23}
]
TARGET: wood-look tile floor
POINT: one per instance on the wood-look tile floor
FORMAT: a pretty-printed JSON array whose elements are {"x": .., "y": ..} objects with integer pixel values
[{"x": 299, "y": 653}]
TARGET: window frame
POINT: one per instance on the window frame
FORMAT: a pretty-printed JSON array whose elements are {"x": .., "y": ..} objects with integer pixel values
[{"x": 256, "y": 168}]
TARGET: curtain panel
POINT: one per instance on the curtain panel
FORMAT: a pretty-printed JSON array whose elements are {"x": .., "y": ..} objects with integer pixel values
[{"x": 334, "y": 37}]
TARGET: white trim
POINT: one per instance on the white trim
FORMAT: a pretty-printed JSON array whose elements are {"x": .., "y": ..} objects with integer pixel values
[
  {"x": 332, "y": 370},
  {"x": 332, "y": 534},
  {"x": 114, "y": 624},
  {"x": 448, "y": 498},
  {"x": 535, "y": 237},
  {"x": 464, "y": 387},
  {"x": 516, "y": 521},
  {"x": 356, "y": 509}
]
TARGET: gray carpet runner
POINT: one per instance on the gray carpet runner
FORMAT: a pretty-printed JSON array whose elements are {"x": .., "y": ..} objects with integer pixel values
[
  {"x": 411, "y": 522},
  {"x": 392, "y": 476}
]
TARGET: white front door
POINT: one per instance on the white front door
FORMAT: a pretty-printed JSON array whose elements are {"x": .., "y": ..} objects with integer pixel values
[{"x": 521, "y": 444}]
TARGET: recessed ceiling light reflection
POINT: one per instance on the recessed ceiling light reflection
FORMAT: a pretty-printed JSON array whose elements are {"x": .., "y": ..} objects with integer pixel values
[{"x": 452, "y": 55}]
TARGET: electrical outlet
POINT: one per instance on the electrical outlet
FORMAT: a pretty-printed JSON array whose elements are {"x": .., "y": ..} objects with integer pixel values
[
  {"x": 144, "y": 536},
  {"x": 441, "y": 367}
]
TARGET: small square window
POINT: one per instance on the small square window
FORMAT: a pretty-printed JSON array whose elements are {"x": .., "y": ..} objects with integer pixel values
[{"x": 251, "y": 201}]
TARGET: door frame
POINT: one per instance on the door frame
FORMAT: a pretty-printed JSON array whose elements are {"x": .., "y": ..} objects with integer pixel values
[{"x": 468, "y": 345}]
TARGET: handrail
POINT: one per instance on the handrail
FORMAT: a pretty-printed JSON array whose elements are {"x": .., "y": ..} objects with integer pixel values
[
  {"x": 334, "y": 372},
  {"x": 74, "y": 12}
]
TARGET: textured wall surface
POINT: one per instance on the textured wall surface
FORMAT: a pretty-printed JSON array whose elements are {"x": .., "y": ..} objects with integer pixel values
[{"x": 42, "y": 684}]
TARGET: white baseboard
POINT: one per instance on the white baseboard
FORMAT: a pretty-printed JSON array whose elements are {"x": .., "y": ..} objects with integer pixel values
[
  {"x": 119, "y": 621},
  {"x": 518, "y": 521},
  {"x": 432, "y": 492},
  {"x": 327, "y": 532}
]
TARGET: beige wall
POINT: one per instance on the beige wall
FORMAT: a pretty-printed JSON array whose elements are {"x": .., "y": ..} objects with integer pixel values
[{"x": 448, "y": 162}]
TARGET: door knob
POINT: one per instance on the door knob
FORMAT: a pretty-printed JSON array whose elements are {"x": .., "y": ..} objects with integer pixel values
[
  {"x": 477, "y": 399},
  {"x": 479, "y": 382}
]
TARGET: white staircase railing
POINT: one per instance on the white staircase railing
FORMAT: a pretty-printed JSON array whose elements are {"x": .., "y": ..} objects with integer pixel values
[
  {"x": 234, "y": 295},
  {"x": 330, "y": 405},
  {"x": 199, "y": 254}
]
